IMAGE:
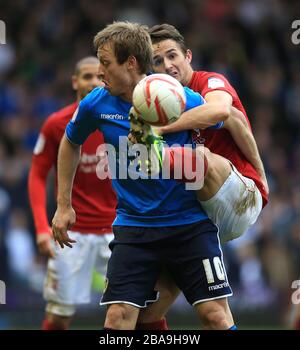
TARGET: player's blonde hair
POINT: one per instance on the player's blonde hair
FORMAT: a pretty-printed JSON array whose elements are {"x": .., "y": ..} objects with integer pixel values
[{"x": 127, "y": 39}]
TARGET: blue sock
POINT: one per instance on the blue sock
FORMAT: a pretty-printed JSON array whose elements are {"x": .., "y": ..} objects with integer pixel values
[{"x": 233, "y": 328}]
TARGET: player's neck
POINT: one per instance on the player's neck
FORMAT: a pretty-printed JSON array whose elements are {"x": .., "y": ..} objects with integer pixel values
[
  {"x": 127, "y": 96},
  {"x": 189, "y": 77}
]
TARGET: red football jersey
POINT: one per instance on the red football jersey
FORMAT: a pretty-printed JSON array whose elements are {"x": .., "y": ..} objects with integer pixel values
[
  {"x": 220, "y": 141},
  {"x": 93, "y": 200}
]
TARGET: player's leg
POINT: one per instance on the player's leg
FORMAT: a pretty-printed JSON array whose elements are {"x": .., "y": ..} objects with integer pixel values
[
  {"x": 215, "y": 314},
  {"x": 132, "y": 272},
  {"x": 121, "y": 316},
  {"x": 196, "y": 265},
  {"x": 68, "y": 281},
  {"x": 218, "y": 170},
  {"x": 235, "y": 206},
  {"x": 118, "y": 316},
  {"x": 230, "y": 199},
  {"x": 153, "y": 316}
]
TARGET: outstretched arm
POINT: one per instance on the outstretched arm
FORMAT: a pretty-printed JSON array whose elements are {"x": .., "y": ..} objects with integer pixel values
[
  {"x": 64, "y": 218},
  {"x": 215, "y": 110}
]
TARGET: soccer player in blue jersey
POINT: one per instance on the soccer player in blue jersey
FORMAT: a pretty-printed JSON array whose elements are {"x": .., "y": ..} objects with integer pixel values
[{"x": 159, "y": 223}]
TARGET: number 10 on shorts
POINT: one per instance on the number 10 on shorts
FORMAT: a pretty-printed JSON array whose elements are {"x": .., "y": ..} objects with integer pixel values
[{"x": 218, "y": 267}]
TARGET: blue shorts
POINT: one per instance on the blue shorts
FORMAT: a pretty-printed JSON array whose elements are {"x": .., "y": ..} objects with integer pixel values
[{"x": 191, "y": 254}]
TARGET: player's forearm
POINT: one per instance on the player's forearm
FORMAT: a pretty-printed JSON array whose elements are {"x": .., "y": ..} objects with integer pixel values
[
  {"x": 37, "y": 199},
  {"x": 67, "y": 162},
  {"x": 244, "y": 139},
  {"x": 200, "y": 117}
]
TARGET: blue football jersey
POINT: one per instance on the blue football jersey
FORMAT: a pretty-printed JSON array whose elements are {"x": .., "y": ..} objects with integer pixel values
[{"x": 141, "y": 201}]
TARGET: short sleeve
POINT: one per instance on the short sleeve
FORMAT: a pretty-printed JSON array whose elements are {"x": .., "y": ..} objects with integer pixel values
[
  {"x": 217, "y": 82},
  {"x": 82, "y": 124}
]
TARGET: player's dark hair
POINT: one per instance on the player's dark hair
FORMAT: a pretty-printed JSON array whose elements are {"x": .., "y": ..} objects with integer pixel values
[
  {"x": 166, "y": 31},
  {"x": 84, "y": 61},
  {"x": 128, "y": 39}
]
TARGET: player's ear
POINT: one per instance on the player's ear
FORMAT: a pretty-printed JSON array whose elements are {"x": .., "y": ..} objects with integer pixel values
[
  {"x": 189, "y": 55},
  {"x": 75, "y": 82},
  {"x": 131, "y": 62}
]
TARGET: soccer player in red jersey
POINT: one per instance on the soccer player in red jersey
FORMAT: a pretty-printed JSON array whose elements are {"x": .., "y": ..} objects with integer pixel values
[
  {"x": 69, "y": 272},
  {"x": 235, "y": 144}
]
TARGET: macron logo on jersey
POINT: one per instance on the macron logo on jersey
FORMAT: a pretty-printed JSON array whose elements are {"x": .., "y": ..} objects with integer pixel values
[
  {"x": 111, "y": 116},
  {"x": 214, "y": 83}
]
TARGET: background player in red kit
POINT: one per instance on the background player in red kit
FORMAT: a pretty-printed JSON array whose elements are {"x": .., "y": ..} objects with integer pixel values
[{"x": 69, "y": 273}]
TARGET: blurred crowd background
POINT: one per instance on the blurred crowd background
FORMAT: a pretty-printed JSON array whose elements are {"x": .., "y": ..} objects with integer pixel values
[{"x": 249, "y": 41}]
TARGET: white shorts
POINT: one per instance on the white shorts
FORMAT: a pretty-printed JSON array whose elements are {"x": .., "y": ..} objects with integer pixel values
[
  {"x": 235, "y": 207},
  {"x": 69, "y": 274}
]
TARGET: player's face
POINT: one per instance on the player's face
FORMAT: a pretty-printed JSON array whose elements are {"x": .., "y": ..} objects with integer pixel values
[
  {"x": 169, "y": 58},
  {"x": 87, "y": 79},
  {"x": 115, "y": 76}
]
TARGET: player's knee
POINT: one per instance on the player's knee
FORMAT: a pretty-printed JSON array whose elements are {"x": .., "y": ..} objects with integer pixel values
[
  {"x": 117, "y": 315},
  {"x": 216, "y": 319},
  {"x": 215, "y": 315},
  {"x": 62, "y": 310}
]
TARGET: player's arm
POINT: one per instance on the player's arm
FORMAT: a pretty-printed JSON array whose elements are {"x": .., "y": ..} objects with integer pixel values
[
  {"x": 239, "y": 129},
  {"x": 64, "y": 218},
  {"x": 244, "y": 139},
  {"x": 215, "y": 110},
  {"x": 78, "y": 129},
  {"x": 43, "y": 158}
]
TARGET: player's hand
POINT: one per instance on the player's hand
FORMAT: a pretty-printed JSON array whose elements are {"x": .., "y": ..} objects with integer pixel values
[
  {"x": 159, "y": 130},
  {"x": 63, "y": 220},
  {"x": 44, "y": 242},
  {"x": 137, "y": 127}
]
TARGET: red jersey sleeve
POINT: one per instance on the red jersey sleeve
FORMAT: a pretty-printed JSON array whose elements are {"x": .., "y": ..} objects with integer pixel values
[
  {"x": 211, "y": 81},
  {"x": 216, "y": 82},
  {"x": 44, "y": 157}
]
